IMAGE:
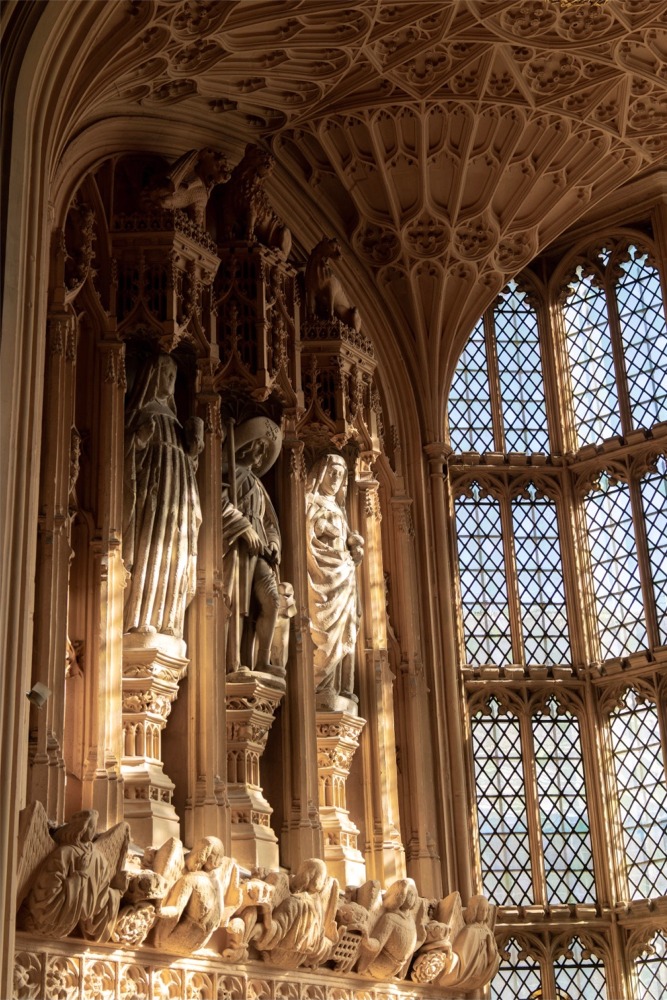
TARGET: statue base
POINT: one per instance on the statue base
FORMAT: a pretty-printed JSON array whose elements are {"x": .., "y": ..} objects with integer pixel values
[
  {"x": 337, "y": 740},
  {"x": 252, "y": 699},
  {"x": 153, "y": 665},
  {"x": 329, "y": 701}
]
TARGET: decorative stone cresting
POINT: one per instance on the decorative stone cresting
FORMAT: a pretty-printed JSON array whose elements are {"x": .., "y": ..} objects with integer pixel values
[
  {"x": 251, "y": 707},
  {"x": 337, "y": 740},
  {"x": 152, "y": 667}
]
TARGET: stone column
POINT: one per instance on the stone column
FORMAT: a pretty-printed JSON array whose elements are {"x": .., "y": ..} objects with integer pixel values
[
  {"x": 47, "y": 765},
  {"x": 446, "y": 695},
  {"x": 102, "y": 778},
  {"x": 386, "y": 858},
  {"x": 251, "y": 707},
  {"x": 207, "y": 808},
  {"x": 152, "y": 667},
  {"x": 301, "y": 836},
  {"x": 418, "y": 802},
  {"x": 337, "y": 740}
]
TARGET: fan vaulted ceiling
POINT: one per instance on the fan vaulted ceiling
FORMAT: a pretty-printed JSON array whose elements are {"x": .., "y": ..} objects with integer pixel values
[{"x": 448, "y": 141}]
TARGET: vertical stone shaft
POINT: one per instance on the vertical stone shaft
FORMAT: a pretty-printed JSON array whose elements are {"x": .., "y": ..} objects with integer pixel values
[
  {"x": 207, "y": 810},
  {"x": 418, "y": 805},
  {"x": 386, "y": 860},
  {"x": 301, "y": 836},
  {"x": 102, "y": 780},
  {"x": 47, "y": 766}
]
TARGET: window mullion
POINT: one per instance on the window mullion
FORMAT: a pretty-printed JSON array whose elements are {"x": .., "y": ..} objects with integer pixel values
[
  {"x": 619, "y": 361},
  {"x": 514, "y": 607},
  {"x": 494, "y": 381},
  {"x": 532, "y": 808}
]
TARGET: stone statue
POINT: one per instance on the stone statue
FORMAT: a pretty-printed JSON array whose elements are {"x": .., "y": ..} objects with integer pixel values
[
  {"x": 251, "y": 545},
  {"x": 77, "y": 886},
  {"x": 188, "y": 183},
  {"x": 200, "y": 901},
  {"x": 460, "y": 951},
  {"x": 300, "y": 929},
  {"x": 245, "y": 212},
  {"x": 334, "y": 552},
  {"x": 161, "y": 514},
  {"x": 387, "y": 953},
  {"x": 287, "y": 609},
  {"x": 325, "y": 297}
]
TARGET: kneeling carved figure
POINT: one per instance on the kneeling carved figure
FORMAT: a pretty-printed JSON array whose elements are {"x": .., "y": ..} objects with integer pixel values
[{"x": 325, "y": 297}]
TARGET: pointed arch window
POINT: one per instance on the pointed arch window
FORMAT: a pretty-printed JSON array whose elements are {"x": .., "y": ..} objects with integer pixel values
[
  {"x": 496, "y": 401},
  {"x": 651, "y": 968},
  {"x": 616, "y": 343}
]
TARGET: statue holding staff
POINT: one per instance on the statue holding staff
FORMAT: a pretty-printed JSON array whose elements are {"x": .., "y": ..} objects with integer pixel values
[{"x": 252, "y": 546}]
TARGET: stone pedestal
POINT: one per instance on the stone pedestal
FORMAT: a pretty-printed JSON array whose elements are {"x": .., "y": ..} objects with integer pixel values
[
  {"x": 337, "y": 739},
  {"x": 252, "y": 699},
  {"x": 153, "y": 664}
]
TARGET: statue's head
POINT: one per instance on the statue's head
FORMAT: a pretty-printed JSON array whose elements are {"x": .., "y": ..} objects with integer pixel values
[
  {"x": 80, "y": 829},
  {"x": 206, "y": 855},
  {"x": 257, "y": 444},
  {"x": 401, "y": 895},
  {"x": 329, "y": 477},
  {"x": 311, "y": 876}
]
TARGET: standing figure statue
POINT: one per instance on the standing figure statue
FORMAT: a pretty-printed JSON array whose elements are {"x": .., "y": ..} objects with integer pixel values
[
  {"x": 161, "y": 514},
  {"x": 334, "y": 552},
  {"x": 251, "y": 545}
]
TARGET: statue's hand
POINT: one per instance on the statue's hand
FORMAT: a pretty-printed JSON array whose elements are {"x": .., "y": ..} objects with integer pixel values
[
  {"x": 252, "y": 540},
  {"x": 274, "y": 554}
]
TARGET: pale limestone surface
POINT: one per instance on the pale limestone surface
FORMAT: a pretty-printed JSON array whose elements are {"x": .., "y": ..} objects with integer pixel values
[
  {"x": 334, "y": 552},
  {"x": 161, "y": 513}
]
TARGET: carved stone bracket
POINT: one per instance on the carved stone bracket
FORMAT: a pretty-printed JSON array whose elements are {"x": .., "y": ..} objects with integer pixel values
[
  {"x": 251, "y": 707},
  {"x": 337, "y": 740},
  {"x": 153, "y": 664}
]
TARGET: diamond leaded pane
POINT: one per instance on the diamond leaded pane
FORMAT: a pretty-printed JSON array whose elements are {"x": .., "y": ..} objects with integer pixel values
[
  {"x": 518, "y": 976},
  {"x": 566, "y": 838},
  {"x": 540, "y": 580},
  {"x": 642, "y": 794},
  {"x": 618, "y": 594},
  {"x": 644, "y": 336},
  {"x": 591, "y": 364},
  {"x": 501, "y": 810},
  {"x": 470, "y": 427},
  {"x": 520, "y": 374},
  {"x": 485, "y": 609},
  {"x": 654, "y": 501},
  {"x": 652, "y": 969},
  {"x": 580, "y": 974}
]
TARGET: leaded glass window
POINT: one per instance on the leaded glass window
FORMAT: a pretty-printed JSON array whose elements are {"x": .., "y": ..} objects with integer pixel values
[
  {"x": 642, "y": 793},
  {"x": 501, "y": 807},
  {"x": 519, "y": 975},
  {"x": 580, "y": 973},
  {"x": 566, "y": 836},
  {"x": 617, "y": 344},
  {"x": 652, "y": 969},
  {"x": 534, "y": 628},
  {"x": 471, "y": 427},
  {"x": 496, "y": 401},
  {"x": 654, "y": 504},
  {"x": 616, "y": 580}
]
